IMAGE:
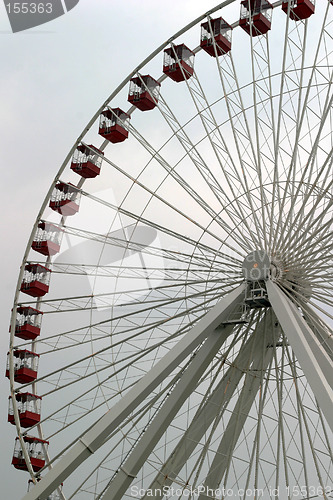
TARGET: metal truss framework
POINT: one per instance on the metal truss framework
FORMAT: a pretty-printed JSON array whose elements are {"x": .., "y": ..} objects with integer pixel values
[
  {"x": 209, "y": 334},
  {"x": 234, "y": 175}
]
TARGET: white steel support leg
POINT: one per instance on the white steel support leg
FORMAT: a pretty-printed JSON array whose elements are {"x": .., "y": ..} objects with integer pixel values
[
  {"x": 320, "y": 328},
  {"x": 212, "y": 409},
  {"x": 187, "y": 383},
  {"x": 98, "y": 433},
  {"x": 315, "y": 363},
  {"x": 252, "y": 383}
]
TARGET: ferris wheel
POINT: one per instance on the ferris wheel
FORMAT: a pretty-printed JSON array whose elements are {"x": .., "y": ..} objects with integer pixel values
[{"x": 171, "y": 333}]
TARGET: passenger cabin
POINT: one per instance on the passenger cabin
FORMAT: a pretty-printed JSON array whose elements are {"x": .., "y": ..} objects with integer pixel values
[
  {"x": 299, "y": 9},
  {"x": 114, "y": 125},
  {"x": 28, "y": 406},
  {"x": 87, "y": 161},
  {"x": 25, "y": 366},
  {"x": 255, "y": 16},
  {"x": 48, "y": 239},
  {"x": 28, "y": 322},
  {"x": 36, "y": 279},
  {"x": 218, "y": 31},
  {"x": 178, "y": 62},
  {"x": 36, "y": 449},
  {"x": 65, "y": 199},
  {"x": 144, "y": 92}
]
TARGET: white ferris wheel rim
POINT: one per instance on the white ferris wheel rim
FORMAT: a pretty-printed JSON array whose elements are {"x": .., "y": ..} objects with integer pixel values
[{"x": 296, "y": 193}]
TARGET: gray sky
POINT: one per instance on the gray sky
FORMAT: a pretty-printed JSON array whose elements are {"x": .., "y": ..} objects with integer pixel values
[{"x": 53, "y": 78}]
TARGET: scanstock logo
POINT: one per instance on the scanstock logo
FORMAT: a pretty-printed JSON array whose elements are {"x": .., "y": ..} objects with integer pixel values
[{"x": 24, "y": 15}]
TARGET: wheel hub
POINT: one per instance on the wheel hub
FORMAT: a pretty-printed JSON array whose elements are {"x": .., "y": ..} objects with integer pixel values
[{"x": 259, "y": 267}]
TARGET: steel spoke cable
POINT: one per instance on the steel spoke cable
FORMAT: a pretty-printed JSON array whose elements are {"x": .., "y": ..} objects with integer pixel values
[
  {"x": 278, "y": 124},
  {"x": 240, "y": 113},
  {"x": 65, "y": 268},
  {"x": 298, "y": 113},
  {"x": 206, "y": 109},
  {"x": 112, "y": 346},
  {"x": 290, "y": 169},
  {"x": 158, "y": 227},
  {"x": 214, "y": 134},
  {"x": 135, "y": 446},
  {"x": 307, "y": 166},
  {"x": 258, "y": 162},
  {"x": 324, "y": 338},
  {"x": 216, "y": 471},
  {"x": 137, "y": 415},
  {"x": 85, "y": 327},
  {"x": 187, "y": 144},
  {"x": 147, "y": 406},
  {"x": 236, "y": 140},
  {"x": 317, "y": 259},
  {"x": 298, "y": 251},
  {"x": 188, "y": 189},
  {"x": 314, "y": 456},
  {"x": 108, "y": 239},
  {"x": 242, "y": 407},
  {"x": 325, "y": 312},
  {"x": 321, "y": 326},
  {"x": 170, "y": 171},
  {"x": 298, "y": 233},
  {"x": 291, "y": 292},
  {"x": 180, "y": 447},
  {"x": 153, "y": 307},
  {"x": 155, "y": 398},
  {"x": 300, "y": 213},
  {"x": 128, "y": 292},
  {"x": 142, "y": 354},
  {"x": 315, "y": 223},
  {"x": 169, "y": 254},
  {"x": 275, "y": 180}
]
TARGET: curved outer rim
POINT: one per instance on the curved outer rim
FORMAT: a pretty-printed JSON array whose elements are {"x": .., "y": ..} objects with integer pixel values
[{"x": 20, "y": 434}]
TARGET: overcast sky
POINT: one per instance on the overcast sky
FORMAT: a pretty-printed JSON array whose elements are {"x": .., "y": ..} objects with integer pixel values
[{"x": 53, "y": 78}]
